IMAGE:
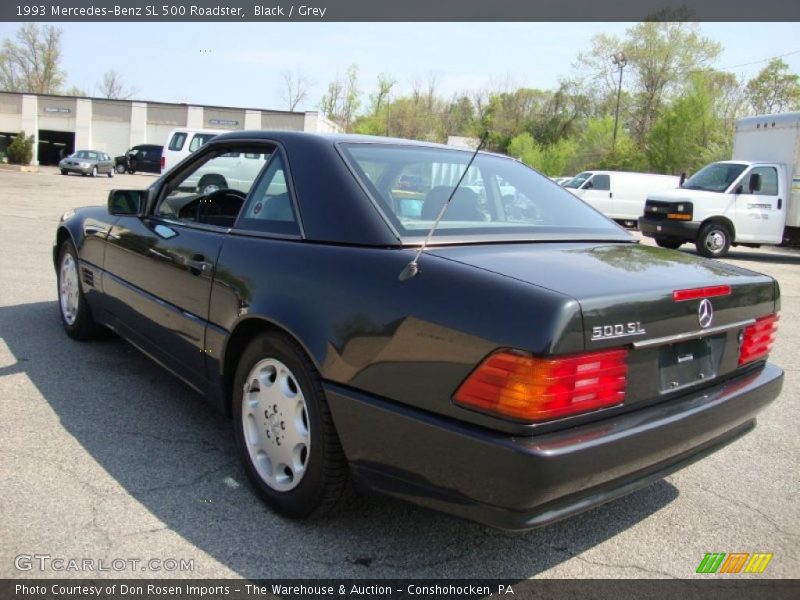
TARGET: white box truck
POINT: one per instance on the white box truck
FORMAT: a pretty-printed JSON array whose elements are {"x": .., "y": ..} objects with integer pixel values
[
  {"x": 619, "y": 195},
  {"x": 751, "y": 200}
]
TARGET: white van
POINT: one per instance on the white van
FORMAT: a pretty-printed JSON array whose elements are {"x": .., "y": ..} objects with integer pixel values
[
  {"x": 619, "y": 195},
  {"x": 182, "y": 142},
  {"x": 750, "y": 200}
]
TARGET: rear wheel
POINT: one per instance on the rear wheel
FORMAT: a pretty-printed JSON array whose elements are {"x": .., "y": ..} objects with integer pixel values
[
  {"x": 284, "y": 430},
  {"x": 120, "y": 168},
  {"x": 714, "y": 240},
  {"x": 111, "y": 172},
  {"x": 668, "y": 243},
  {"x": 76, "y": 316}
]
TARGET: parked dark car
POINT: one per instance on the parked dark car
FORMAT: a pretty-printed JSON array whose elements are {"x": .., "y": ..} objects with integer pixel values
[
  {"x": 536, "y": 365},
  {"x": 144, "y": 157}
]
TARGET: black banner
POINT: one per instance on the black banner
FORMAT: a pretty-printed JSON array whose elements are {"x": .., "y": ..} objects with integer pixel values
[
  {"x": 352, "y": 589},
  {"x": 400, "y": 11}
]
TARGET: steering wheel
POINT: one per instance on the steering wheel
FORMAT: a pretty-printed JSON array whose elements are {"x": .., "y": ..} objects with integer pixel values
[{"x": 214, "y": 197}]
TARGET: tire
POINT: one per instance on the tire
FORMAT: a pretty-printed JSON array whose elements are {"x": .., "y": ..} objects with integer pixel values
[
  {"x": 111, "y": 172},
  {"x": 94, "y": 171},
  {"x": 64, "y": 172},
  {"x": 120, "y": 169},
  {"x": 713, "y": 241},
  {"x": 278, "y": 398},
  {"x": 668, "y": 243},
  {"x": 76, "y": 317}
]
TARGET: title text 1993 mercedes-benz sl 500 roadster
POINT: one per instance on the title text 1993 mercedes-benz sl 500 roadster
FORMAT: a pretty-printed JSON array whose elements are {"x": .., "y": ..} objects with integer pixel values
[{"x": 535, "y": 362}]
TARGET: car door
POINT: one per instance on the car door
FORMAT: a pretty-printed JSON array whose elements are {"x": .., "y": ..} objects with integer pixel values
[
  {"x": 160, "y": 268},
  {"x": 597, "y": 192},
  {"x": 760, "y": 212}
]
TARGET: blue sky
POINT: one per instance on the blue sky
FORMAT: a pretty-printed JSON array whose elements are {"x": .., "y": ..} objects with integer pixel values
[{"x": 241, "y": 64}]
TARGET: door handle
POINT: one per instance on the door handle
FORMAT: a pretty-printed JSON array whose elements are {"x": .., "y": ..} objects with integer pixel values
[
  {"x": 610, "y": 194},
  {"x": 780, "y": 203},
  {"x": 160, "y": 255},
  {"x": 197, "y": 264}
]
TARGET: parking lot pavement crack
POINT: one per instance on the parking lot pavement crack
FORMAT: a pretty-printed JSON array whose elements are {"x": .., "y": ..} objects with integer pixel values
[
  {"x": 170, "y": 440},
  {"x": 598, "y": 563},
  {"x": 188, "y": 484},
  {"x": 751, "y": 508}
]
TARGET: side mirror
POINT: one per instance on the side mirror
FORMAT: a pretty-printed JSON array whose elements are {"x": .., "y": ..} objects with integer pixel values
[
  {"x": 739, "y": 189},
  {"x": 683, "y": 179},
  {"x": 754, "y": 185},
  {"x": 126, "y": 202}
]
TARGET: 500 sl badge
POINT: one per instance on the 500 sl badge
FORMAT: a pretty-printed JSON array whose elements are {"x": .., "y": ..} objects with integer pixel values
[{"x": 607, "y": 332}]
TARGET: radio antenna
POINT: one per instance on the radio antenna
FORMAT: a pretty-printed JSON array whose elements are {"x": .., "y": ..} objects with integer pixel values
[{"x": 412, "y": 268}]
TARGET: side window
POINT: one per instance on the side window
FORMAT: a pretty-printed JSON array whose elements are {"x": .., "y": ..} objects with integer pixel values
[
  {"x": 211, "y": 191},
  {"x": 270, "y": 207},
  {"x": 199, "y": 139},
  {"x": 177, "y": 141},
  {"x": 601, "y": 182},
  {"x": 769, "y": 181}
]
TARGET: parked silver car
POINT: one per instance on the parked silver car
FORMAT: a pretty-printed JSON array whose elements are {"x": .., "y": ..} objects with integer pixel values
[{"x": 87, "y": 162}]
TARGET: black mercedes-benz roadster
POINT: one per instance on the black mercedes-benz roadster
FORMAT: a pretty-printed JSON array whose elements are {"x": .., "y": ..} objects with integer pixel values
[{"x": 536, "y": 360}]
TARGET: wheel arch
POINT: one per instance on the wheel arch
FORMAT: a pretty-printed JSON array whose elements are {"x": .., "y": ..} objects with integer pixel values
[
  {"x": 244, "y": 332},
  {"x": 722, "y": 221},
  {"x": 62, "y": 234}
]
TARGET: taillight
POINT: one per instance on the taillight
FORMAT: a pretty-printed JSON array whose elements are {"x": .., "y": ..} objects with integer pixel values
[
  {"x": 163, "y": 162},
  {"x": 703, "y": 292},
  {"x": 530, "y": 388},
  {"x": 757, "y": 339}
]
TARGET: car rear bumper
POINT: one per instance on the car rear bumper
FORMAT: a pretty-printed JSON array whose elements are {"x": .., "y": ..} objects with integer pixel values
[
  {"x": 665, "y": 228},
  {"x": 515, "y": 482}
]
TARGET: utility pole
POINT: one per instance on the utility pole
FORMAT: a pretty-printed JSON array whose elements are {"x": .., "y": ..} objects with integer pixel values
[{"x": 620, "y": 61}]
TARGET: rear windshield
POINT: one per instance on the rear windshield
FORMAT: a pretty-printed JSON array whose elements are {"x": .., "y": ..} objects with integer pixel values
[{"x": 498, "y": 198}]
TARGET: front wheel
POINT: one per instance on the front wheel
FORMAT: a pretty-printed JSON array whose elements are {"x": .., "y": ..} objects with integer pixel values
[
  {"x": 668, "y": 243},
  {"x": 284, "y": 430},
  {"x": 94, "y": 171},
  {"x": 75, "y": 314},
  {"x": 713, "y": 241},
  {"x": 63, "y": 171}
]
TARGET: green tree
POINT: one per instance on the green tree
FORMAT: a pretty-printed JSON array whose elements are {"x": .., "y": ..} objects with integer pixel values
[
  {"x": 774, "y": 89},
  {"x": 343, "y": 98},
  {"x": 597, "y": 149},
  {"x": 550, "y": 160},
  {"x": 689, "y": 133},
  {"x": 32, "y": 63},
  {"x": 20, "y": 150},
  {"x": 660, "y": 56}
]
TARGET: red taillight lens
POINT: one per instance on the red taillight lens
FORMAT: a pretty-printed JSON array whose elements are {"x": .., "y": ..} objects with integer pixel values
[
  {"x": 163, "y": 162},
  {"x": 529, "y": 388},
  {"x": 703, "y": 292},
  {"x": 758, "y": 338}
]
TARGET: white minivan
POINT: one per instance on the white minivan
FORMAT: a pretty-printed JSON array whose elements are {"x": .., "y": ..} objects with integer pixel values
[
  {"x": 619, "y": 195},
  {"x": 182, "y": 142}
]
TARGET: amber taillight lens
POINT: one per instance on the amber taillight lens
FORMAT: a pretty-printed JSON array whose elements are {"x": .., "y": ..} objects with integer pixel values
[
  {"x": 758, "y": 339},
  {"x": 529, "y": 388}
]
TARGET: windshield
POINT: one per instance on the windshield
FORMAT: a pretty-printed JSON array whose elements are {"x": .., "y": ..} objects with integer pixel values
[
  {"x": 85, "y": 154},
  {"x": 716, "y": 177},
  {"x": 577, "y": 181},
  {"x": 499, "y": 198}
]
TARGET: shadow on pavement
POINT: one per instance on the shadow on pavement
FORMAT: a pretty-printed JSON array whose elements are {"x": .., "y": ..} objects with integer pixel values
[{"x": 174, "y": 455}]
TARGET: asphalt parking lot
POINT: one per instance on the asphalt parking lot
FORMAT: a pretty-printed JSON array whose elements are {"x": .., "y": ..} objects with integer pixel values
[{"x": 105, "y": 456}]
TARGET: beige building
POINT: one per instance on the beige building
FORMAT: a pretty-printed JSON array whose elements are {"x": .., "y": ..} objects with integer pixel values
[{"x": 63, "y": 124}]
